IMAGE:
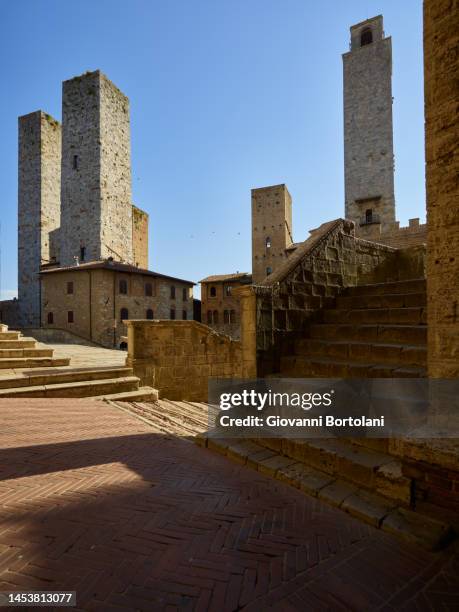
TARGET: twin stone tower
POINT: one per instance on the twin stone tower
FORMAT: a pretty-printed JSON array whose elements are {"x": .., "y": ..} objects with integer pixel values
[{"x": 75, "y": 200}]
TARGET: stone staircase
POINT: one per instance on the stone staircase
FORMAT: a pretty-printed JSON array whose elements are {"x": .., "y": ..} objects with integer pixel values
[
  {"x": 374, "y": 331},
  {"x": 23, "y": 358}
]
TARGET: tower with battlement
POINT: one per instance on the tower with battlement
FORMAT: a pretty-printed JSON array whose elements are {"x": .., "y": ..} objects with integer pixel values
[
  {"x": 271, "y": 229},
  {"x": 38, "y": 207},
  {"x": 96, "y": 201},
  {"x": 368, "y": 136}
]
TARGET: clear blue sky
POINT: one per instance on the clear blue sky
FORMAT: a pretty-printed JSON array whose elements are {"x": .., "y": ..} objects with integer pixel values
[{"x": 225, "y": 95}]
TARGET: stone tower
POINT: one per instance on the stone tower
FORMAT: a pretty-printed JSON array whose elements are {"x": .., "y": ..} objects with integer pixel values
[
  {"x": 38, "y": 206},
  {"x": 271, "y": 229},
  {"x": 96, "y": 203},
  {"x": 368, "y": 141}
]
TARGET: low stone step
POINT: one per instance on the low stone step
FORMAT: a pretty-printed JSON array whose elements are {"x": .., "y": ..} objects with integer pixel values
[
  {"x": 33, "y": 379},
  {"x": 406, "y": 286},
  {"x": 10, "y": 335},
  {"x": 91, "y": 388},
  {"x": 373, "y": 508},
  {"x": 25, "y": 352},
  {"x": 395, "y": 316},
  {"x": 386, "y": 334},
  {"x": 297, "y": 366},
  {"x": 400, "y": 354},
  {"x": 143, "y": 394},
  {"x": 395, "y": 300},
  {"x": 17, "y": 344},
  {"x": 33, "y": 362}
]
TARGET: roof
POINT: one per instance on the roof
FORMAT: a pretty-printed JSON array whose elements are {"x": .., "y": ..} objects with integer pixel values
[
  {"x": 116, "y": 266},
  {"x": 237, "y": 276}
]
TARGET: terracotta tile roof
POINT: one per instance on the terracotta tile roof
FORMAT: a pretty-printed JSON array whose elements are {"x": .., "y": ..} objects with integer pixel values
[{"x": 244, "y": 277}]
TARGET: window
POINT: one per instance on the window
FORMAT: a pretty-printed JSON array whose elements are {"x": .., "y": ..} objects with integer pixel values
[
  {"x": 213, "y": 292},
  {"x": 228, "y": 290},
  {"x": 172, "y": 314},
  {"x": 215, "y": 316},
  {"x": 268, "y": 270},
  {"x": 82, "y": 253},
  {"x": 150, "y": 314},
  {"x": 75, "y": 162},
  {"x": 268, "y": 242},
  {"x": 209, "y": 317},
  {"x": 124, "y": 314},
  {"x": 226, "y": 316},
  {"x": 69, "y": 287},
  {"x": 70, "y": 316},
  {"x": 123, "y": 287},
  {"x": 172, "y": 292},
  {"x": 185, "y": 294},
  {"x": 232, "y": 316},
  {"x": 50, "y": 318},
  {"x": 368, "y": 216},
  {"x": 184, "y": 315},
  {"x": 148, "y": 290},
  {"x": 366, "y": 37}
]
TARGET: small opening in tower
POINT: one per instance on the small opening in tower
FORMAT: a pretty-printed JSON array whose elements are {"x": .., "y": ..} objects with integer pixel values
[
  {"x": 368, "y": 215},
  {"x": 75, "y": 162},
  {"x": 50, "y": 318},
  {"x": 268, "y": 270},
  {"x": 366, "y": 37},
  {"x": 82, "y": 253},
  {"x": 268, "y": 242}
]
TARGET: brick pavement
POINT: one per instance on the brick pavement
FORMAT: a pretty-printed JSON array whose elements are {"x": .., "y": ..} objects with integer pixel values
[{"x": 94, "y": 500}]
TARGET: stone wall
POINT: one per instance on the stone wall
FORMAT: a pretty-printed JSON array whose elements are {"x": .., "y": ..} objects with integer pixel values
[
  {"x": 331, "y": 259},
  {"x": 38, "y": 205},
  {"x": 394, "y": 235},
  {"x": 441, "y": 73},
  {"x": 368, "y": 139},
  {"x": 9, "y": 313},
  {"x": 179, "y": 357},
  {"x": 140, "y": 238}
]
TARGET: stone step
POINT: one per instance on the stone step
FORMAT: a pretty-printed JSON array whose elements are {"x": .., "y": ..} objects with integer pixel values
[
  {"x": 403, "y": 355},
  {"x": 52, "y": 377},
  {"x": 33, "y": 362},
  {"x": 406, "y": 286},
  {"x": 373, "y": 508},
  {"x": 391, "y": 300},
  {"x": 86, "y": 388},
  {"x": 25, "y": 352},
  {"x": 297, "y": 366},
  {"x": 14, "y": 344},
  {"x": 142, "y": 394},
  {"x": 385, "y": 334},
  {"x": 395, "y": 316},
  {"x": 10, "y": 335}
]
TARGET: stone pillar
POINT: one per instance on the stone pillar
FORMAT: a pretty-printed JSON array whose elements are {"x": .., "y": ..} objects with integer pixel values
[
  {"x": 248, "y": 300},
  {"x": 441, "y": 65}
]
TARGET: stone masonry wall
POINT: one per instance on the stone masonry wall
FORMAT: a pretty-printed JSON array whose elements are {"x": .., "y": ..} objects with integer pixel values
[
  {"x": 368, "y": 138},
  {"x": 140, "y": 238},
  {"x": 441, "y": 72},
  {"x": 38, "y": 205},
  {"x": 179, "y": 357},
  {"x": 394, "y": 235}
]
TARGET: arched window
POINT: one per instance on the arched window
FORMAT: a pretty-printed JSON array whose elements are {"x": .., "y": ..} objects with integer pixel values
[
  {"x": 213, "y": 292},
  {"x": 50, "y": 318},
  {"x": 209, "y": 317},
  {"x": 70, "y": 316},
  {"x": 124, "y": 314},
  {"x": 226, "y": 316},
  {"x": 150, "y": 314},
  {"x": 233, "y": 316},
  {"x": 268, "y": 270},
  {"x": 184, "y": 315},
  {"x": 215, "y": 316},
  {"x": 268, "y": 242},
  {"x": 172, "y": 292},
  {"x": 172, "y": 314},
  {"x": 123, "y": 288},
  {"x": 366, "y": 37},
  {"x": 368, "y": 215},
  {"x": 148, "y": 289},
  {"x": 184, "y": 294},
  {"x": 228, "y": 290}
]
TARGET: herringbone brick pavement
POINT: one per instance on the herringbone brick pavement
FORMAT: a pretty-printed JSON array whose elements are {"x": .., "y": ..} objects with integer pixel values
[{"x": 94, "y": 500}]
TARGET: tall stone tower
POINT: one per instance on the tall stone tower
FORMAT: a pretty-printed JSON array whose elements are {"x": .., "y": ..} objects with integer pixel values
[
  {"x": 271, "y": 229},
  {"x": 368, "y": 141},
  {"x": 38, "y": 206},
  {"x": 96, "y": 207}
]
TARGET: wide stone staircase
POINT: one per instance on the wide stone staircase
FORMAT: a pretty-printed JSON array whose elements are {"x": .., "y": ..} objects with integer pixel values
[
  {"x": 29, "y": 369},
  {"x": 374, "y": 331}
]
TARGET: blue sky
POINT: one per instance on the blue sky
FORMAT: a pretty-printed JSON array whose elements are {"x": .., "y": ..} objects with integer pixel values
[{"x": 226, "y": 95}]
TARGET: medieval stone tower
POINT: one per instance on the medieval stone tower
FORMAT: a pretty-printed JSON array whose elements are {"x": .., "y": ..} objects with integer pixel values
[
  {"x": 38, "y": 206},
  {"x": 368, "y": 140},
  {"x": 96, "y": 171},
  {"x": 271, "y": 229}
]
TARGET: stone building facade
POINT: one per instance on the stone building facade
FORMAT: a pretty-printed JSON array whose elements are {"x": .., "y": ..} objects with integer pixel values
[
  {"x": 220, "y": 307},
  {"x": 93, "y": 300}
]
